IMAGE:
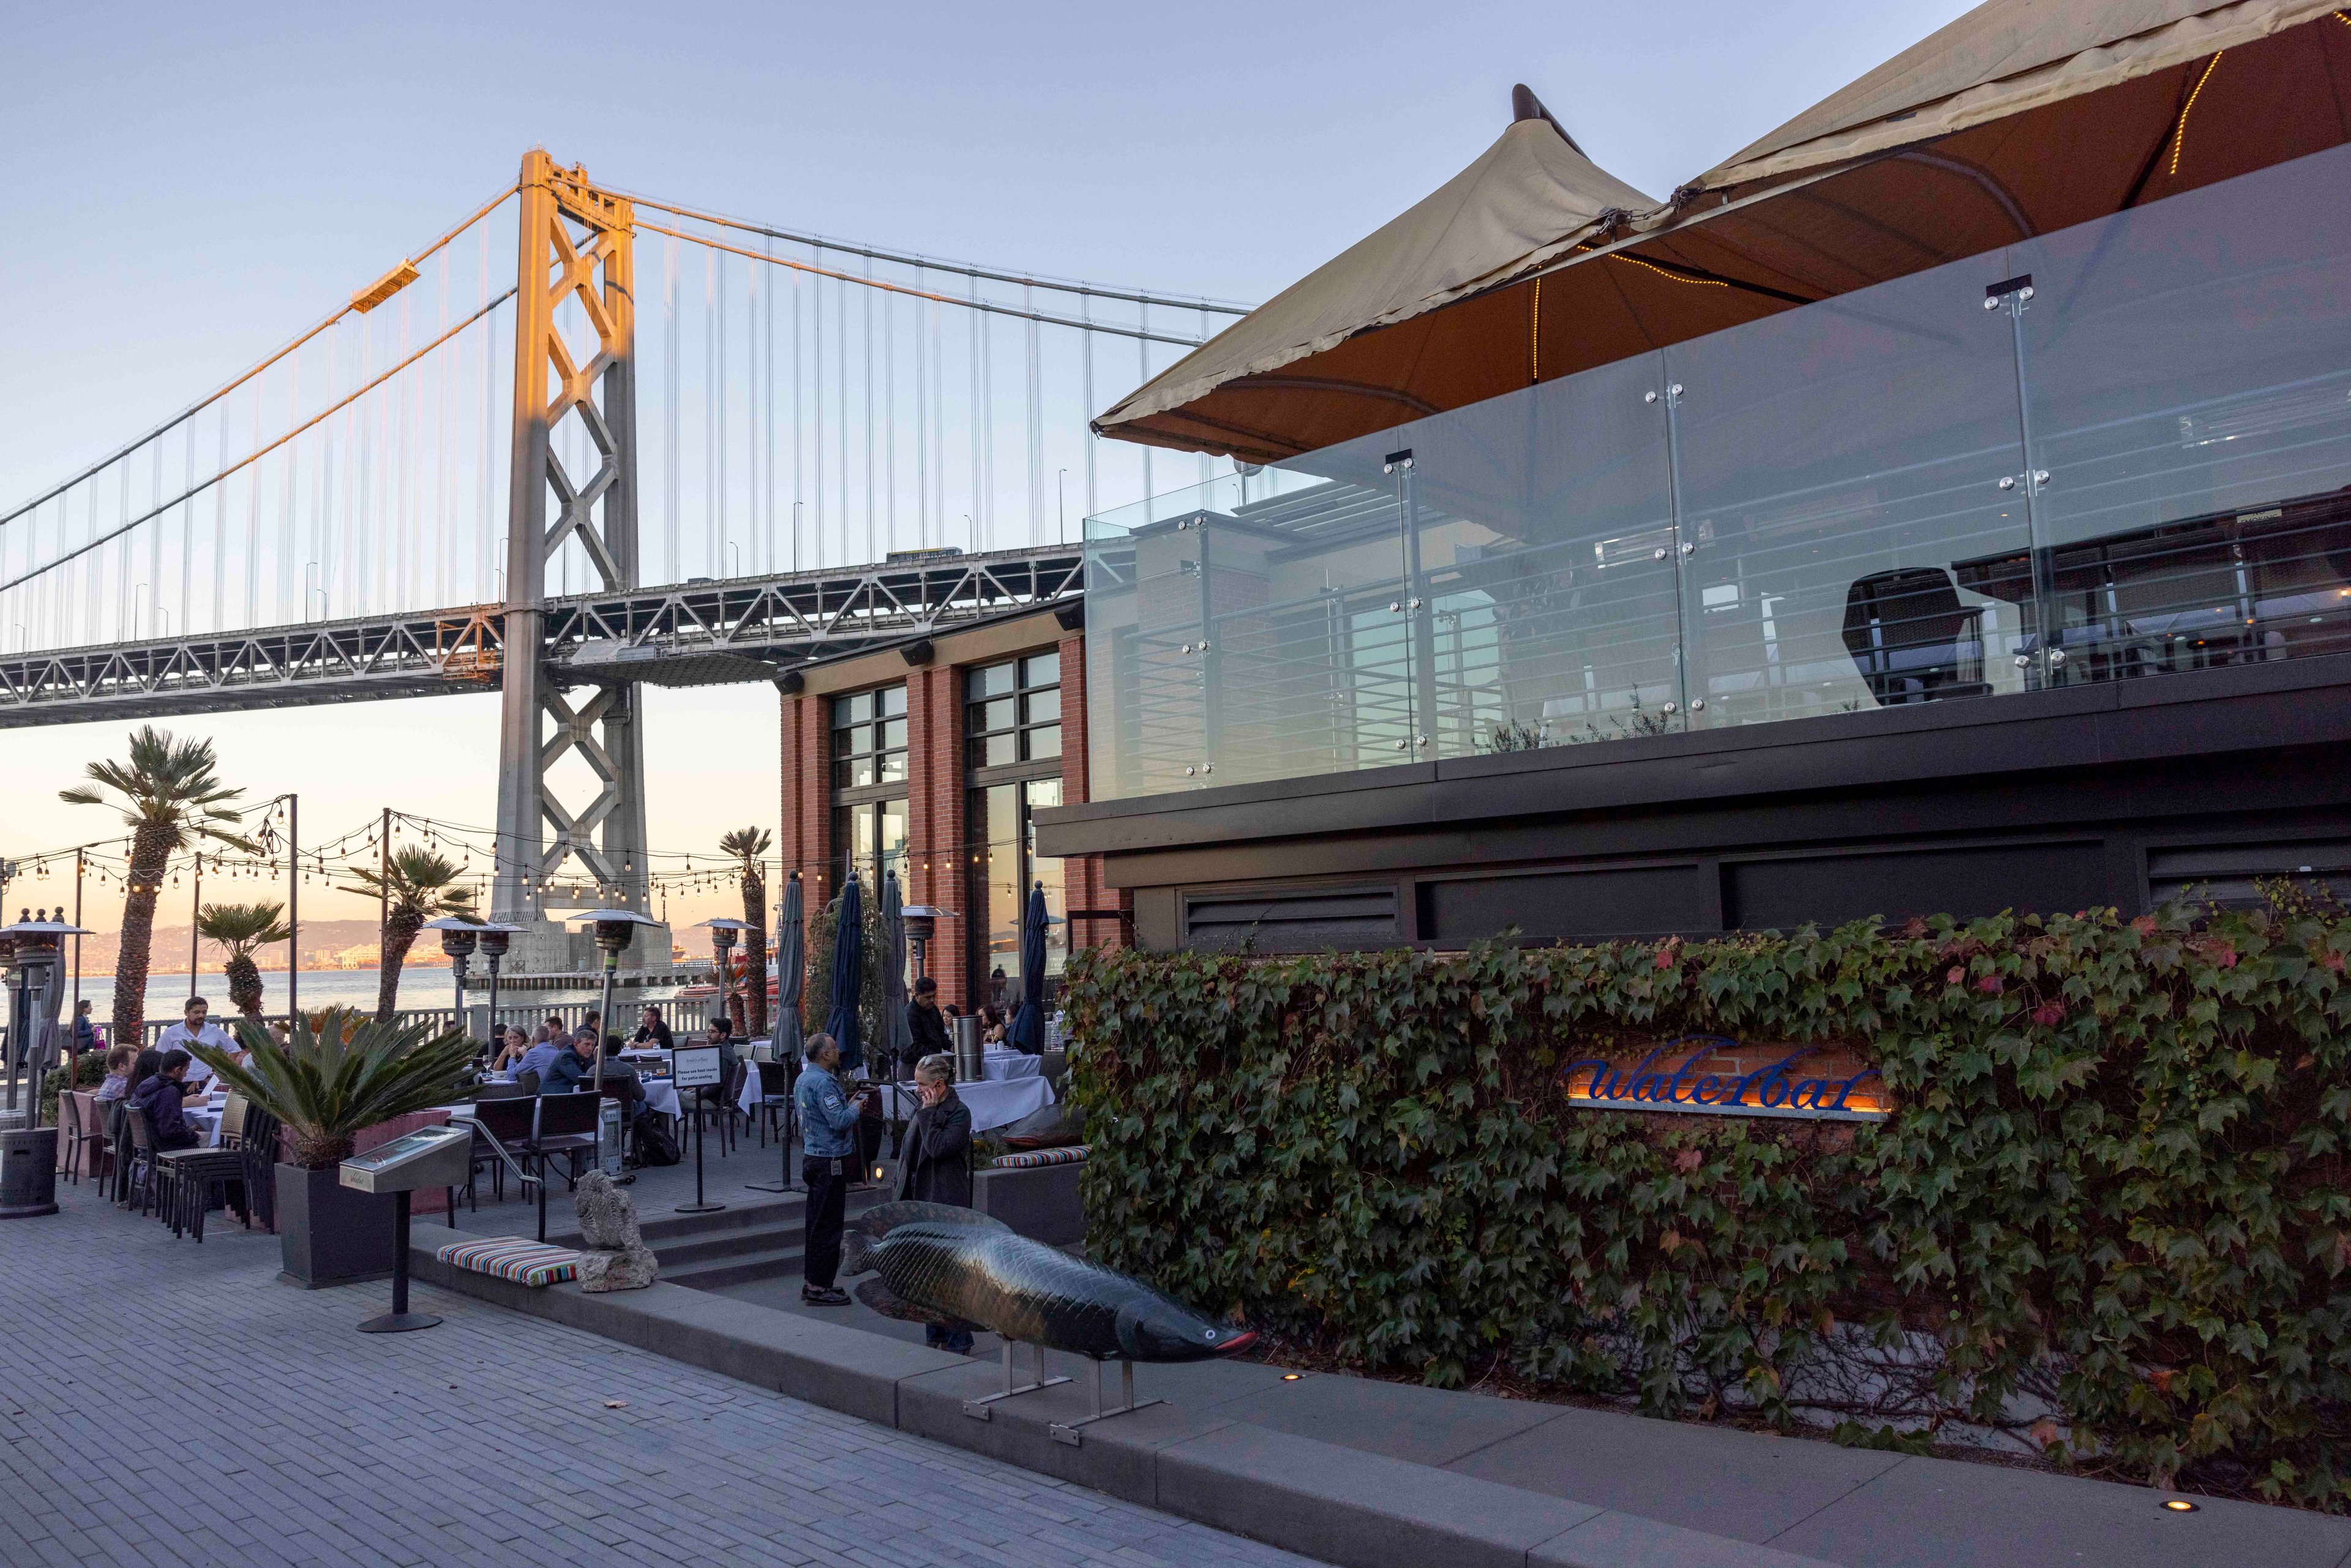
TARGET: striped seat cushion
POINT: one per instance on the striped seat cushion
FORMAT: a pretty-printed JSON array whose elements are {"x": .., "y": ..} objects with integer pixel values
[
  {"x": 1074, "y": 1154},
  {"x": 512, "y": 1257}
]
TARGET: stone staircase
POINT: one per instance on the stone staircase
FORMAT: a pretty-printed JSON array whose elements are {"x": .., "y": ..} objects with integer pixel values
[{"x": 742, "y": 1243}]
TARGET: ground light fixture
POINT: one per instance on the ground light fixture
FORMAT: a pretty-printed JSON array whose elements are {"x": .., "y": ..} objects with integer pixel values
[
  {"x": 1291, "y": 1376},
  {"x": 2179, "y": 1505}
]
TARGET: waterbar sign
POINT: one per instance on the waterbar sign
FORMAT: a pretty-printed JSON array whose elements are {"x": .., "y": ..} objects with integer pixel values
[{"x": 1714, "y": 1075}]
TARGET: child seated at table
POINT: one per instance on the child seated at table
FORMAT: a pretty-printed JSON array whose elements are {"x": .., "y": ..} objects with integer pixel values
[{"x": 118, "y": 1075}]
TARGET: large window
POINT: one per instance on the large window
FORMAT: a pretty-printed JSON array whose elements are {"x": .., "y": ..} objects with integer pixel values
[
  {"x": 869, "y": 738},
  {"x": 1012, "y": 717},
  {"x": 1013, "y": 711},
  {"x": 869, "y": 787}
]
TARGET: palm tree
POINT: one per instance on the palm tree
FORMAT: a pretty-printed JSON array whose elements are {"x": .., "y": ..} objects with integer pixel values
[
  {"x": 240, "y": 928},
  {"x": 169, "y": 797},
  {"x": 420, "y": 887},
  {"x": 749, "y": 846}
]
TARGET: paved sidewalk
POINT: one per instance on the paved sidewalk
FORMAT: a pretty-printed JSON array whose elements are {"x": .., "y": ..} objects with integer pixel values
[{"x": 282, "y": 1437}]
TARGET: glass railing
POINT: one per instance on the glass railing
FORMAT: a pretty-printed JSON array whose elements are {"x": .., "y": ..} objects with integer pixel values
[{"x": 2110, "y": 453}]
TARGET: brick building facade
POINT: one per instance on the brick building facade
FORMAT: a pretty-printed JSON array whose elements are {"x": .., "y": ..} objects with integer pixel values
[{"x": 927, "y": 758}]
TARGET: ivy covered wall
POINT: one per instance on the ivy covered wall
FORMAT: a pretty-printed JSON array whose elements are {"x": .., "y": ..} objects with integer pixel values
[{"x": 2112, "y": 1187}]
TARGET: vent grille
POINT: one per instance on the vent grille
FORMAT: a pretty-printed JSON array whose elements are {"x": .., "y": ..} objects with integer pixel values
[
  {"x": 2225, "y": 874},
  {"x": 1292, "y": 921}
]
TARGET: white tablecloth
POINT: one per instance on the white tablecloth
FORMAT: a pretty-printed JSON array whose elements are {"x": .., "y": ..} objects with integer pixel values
[
  {"x": 1002, "y": 1065},
  {"x": 205, "y": 1119},
  {"x": 997, "y": 1103}
]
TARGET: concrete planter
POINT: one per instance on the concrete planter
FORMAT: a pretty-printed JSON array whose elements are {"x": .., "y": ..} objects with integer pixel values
[
  {"x": 1040, "y": 1202},
  {"x": 330, "y": 1234}
]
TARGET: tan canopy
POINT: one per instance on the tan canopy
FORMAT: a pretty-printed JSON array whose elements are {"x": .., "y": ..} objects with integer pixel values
[
  {"x": 2023, "y": 116},
  {"x": 2003, "y": 58},
  {"x": 1530, "y": 198}
]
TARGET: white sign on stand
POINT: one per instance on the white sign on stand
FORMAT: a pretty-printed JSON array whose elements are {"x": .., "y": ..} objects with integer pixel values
[{"x": 696, "y": 1067}]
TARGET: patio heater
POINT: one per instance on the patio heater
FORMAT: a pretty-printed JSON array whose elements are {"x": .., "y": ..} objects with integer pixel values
[
  {"x": 922, "y": 925},
  {"x": 725, "y": 932},
  {"x": 615, "y": 929},
  {"x": 494, "y": 939},
  {"x": 458, "y": 938},
  {"x": 28, "y": 1155}
]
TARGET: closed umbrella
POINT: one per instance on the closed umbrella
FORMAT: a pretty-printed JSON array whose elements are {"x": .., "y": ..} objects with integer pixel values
[
  {"x": 1029, "y": 1023},
  {"x": 791, "y": 979},
  {"x": 791, "y": 972},
  {"x": 897, "y": 1033},
  {"x": 848, "y": 976}
]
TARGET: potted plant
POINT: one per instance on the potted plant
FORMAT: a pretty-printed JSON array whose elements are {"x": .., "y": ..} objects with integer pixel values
[{"x": 337, "y": 1075}]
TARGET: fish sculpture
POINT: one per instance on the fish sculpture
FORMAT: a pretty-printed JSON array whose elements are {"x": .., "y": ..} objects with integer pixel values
[{"x": 958, "y": 1268}]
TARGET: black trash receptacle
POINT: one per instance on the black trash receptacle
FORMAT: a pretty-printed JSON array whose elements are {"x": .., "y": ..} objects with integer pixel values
[{"x": 28, "y": 1172}]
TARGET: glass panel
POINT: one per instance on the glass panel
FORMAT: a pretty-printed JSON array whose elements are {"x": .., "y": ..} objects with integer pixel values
[
  {"x": 995, "y": 822},
  {"x": 1846, "y": 540},
  {"x": 1146, "y": 619},
  {"x": 1041, "y": 793},
  {"x": 892, "y": 699},
  {"x": 1045, "y": 706},
  {"x": 995, "y": 680},
  {"x": 997, "y": 749},
  {"x": 1041, "y": 669},
  {"x": 1001, "y": 713},
  {"x": 1044, "y": 741},
  {"x": 890, "y": 735},
  {"x": 1306, "y": 666},
  {"x": 1544, "y": 547},
  {"x": 2188, "y": 372},
  {"x": 853, "y": 709}
]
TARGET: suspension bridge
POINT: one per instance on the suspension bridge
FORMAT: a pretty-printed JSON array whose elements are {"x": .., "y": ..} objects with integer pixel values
[{"x": 568, "y": 487}]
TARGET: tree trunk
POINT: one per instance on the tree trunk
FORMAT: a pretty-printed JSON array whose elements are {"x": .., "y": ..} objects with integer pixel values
[
  {"x": 398, "y": 936},
  {"x": 755, "y": 950},
  {"x": 243, "y": 984},
  {"x": 151, "y": 852}
]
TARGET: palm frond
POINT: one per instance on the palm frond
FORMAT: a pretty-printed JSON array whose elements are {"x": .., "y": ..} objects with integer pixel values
[
  {"x": 242, "y": 928},
  {"x": 340, "y": 1074}
]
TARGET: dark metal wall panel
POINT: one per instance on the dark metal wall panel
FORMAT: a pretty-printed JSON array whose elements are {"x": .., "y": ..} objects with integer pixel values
[
  {"x": 1582, "y": 904},
  {"x": 1782, "y": 891}
]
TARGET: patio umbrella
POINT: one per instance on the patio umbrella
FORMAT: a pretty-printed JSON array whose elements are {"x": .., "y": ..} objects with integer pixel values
[
  {"x": 848, "y": 976},
  {"x": 898, "y": 1036},
  {"x": 791, "y": 972},
  {"x": 1029, "y": 1023}
]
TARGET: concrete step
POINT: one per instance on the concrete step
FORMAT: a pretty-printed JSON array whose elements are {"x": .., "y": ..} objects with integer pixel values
[
  {"x": 743, "y": 1268},
  {"x": 660, "y": 1229},
  {"x": 679, "y": 1251}
]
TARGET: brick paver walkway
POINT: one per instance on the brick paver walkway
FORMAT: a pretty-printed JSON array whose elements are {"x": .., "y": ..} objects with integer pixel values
[{"x": 165, "y": 1403}]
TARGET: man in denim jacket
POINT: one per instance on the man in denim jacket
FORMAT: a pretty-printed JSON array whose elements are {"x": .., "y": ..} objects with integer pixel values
[{"x": 828, "y": 1146}]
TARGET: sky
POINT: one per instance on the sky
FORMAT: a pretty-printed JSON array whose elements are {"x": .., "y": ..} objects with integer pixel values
[{"x": 188, "y": 185}]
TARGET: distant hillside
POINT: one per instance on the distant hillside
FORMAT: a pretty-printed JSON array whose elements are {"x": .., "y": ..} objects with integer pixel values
[{"x": 326, "y": 945}]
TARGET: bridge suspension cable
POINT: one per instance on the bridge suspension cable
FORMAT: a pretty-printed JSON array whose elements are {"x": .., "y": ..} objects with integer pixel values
[{"x": 807, "y": 407}]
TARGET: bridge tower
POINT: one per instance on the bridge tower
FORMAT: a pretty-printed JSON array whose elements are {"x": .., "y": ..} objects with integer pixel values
[{"x": 577, "y": 247}]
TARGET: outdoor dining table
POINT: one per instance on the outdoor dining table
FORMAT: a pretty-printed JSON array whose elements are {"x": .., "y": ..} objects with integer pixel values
[
  {"x": 661, "y": 1094},
  {"x": 993, "y": 1103},
  {"x": 999, "y": 1066}
]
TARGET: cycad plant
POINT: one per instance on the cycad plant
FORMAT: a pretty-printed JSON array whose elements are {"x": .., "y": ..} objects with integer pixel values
[
  {"x": 749, "y": 847},
  {"x": 331, "y": 1082},
  {"x": 422, "y": 886},
  {"x": 171, "y": 797},
  {"x": 240, "y": 928}
]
